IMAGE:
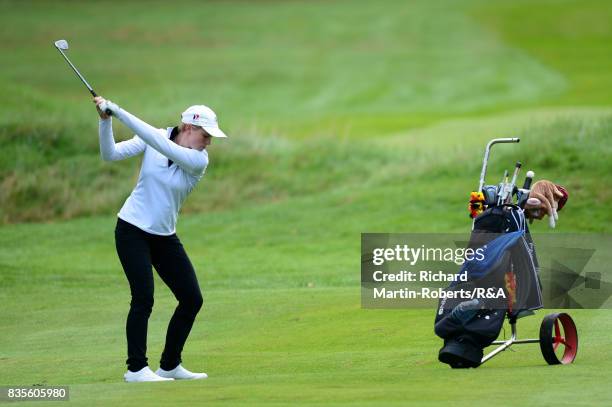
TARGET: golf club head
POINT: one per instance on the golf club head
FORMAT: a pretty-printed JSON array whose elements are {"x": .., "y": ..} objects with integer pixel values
[{"x": 61, "y": 44}]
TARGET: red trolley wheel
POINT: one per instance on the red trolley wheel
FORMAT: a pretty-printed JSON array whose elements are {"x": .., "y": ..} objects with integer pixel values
[{"x": 558, "y": 339}]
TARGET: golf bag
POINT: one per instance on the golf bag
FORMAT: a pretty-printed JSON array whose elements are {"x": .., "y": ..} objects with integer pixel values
[{"x": 507, "y": 271}]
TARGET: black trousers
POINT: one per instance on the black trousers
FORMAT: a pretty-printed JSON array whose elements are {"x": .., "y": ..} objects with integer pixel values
[{"x": 138, "y": 251}]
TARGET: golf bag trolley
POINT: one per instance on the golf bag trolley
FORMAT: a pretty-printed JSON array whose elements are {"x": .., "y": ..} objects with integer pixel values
[{"x": 509, "y": 266}]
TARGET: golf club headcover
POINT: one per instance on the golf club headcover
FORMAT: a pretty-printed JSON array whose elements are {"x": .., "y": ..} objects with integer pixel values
[
  {"x": 476, "y": 205},
  {"x": 552, "y": 220},
  {"x": 561, "y": 203}
]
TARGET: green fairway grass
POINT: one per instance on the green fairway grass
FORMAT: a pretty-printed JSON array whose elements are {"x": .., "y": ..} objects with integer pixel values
[{"x": 344, "y": 117}]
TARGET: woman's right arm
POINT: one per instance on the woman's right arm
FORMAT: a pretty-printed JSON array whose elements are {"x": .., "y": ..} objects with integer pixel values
[
  {"x": 108, "y": 149},
  {"x": 112, "y": 151}
]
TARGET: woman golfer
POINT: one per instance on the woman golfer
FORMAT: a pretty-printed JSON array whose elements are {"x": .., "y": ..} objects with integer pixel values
[{"x": 173, "y": 162}]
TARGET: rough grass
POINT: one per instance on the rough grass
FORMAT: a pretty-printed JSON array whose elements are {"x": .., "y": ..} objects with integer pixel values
[{"x": 256, "y": 169}]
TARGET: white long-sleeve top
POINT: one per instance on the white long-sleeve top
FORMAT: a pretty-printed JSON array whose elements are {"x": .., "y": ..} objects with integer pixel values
[{"x": 154, "y": 204}]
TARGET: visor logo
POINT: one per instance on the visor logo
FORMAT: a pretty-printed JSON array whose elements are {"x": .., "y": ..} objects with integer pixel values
[{"x": 196, "y": 116}]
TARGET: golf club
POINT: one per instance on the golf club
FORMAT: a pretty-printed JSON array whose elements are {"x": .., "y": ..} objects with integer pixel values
[
  {"x": 512, "y": 186},
  {"x": 62, "y": 45}
]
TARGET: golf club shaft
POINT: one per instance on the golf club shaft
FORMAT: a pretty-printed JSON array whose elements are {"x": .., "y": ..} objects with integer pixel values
[
  {"x": 517, "y": 168},
  {"x": 76, "y": 71},
  {"x": 502, "y": 188}
]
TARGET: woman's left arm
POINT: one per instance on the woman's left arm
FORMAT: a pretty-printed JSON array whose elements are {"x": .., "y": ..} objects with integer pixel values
[{"x": 192, "y": 161}]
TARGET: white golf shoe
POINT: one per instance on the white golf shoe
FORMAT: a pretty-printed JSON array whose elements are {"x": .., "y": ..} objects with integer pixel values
[
  {"x": 180, "y": 373},
  {"x": 144, "y": 375}
]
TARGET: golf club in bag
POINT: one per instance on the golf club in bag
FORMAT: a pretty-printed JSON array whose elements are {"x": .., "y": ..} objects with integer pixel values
[{"x": 510, "y": 264}]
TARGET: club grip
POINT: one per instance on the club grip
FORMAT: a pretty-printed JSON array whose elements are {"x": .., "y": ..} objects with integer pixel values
[
  {"x": 103, "y": 106},
  {"x": 94, "y": 94},
  {"x": 528, "y": 180}
]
